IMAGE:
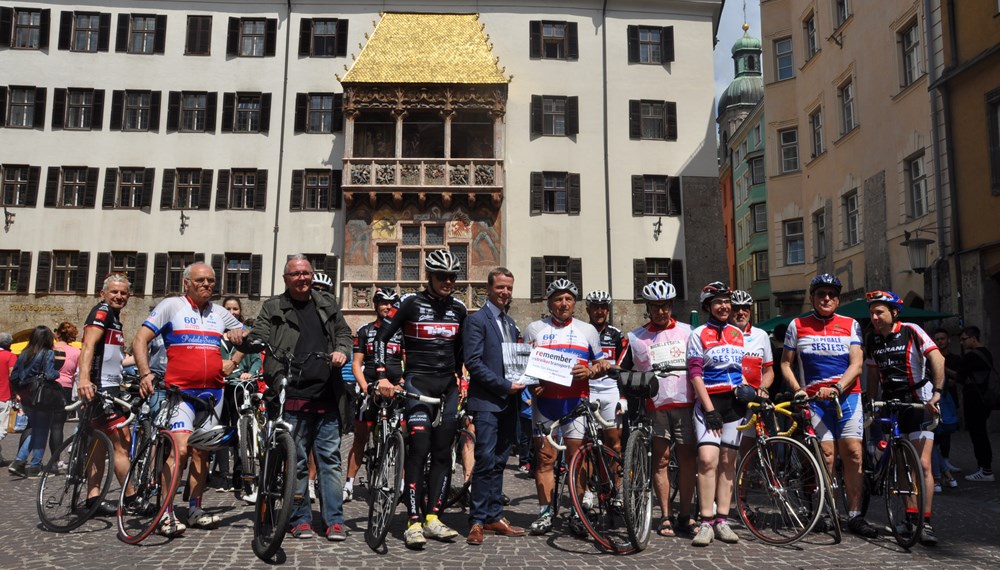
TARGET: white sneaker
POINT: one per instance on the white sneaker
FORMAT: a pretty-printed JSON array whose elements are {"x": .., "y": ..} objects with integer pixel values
[
  {"x": 725, "y": 534},
  {"x": 250, "y": 498},
  {"x": 937, "y": 487},
  {"x": 981, "y": 476},
  {"x": 348, "y": 494},
  {"x": 705, "y": 535},
  {"x": 952, "y": 484}
]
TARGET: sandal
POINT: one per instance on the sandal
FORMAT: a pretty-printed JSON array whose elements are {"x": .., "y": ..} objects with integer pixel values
[{"x": 666, "y": 527}]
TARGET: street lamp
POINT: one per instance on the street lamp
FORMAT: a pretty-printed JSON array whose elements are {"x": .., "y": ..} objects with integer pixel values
[{"x": 916, "y": 250}]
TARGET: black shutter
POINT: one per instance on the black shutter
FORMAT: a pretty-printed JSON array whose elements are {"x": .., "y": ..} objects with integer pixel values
[
  {"x": 160, "y": 35},
  {"x": 3, "y": 106},
  {"x": 677, "y": 277},
  {"x": 222, "y": 190},
  {"x": 139, "y": 286},
  {"x": 537, "y": 115},
  {"x": 341, "y": 38},
  {"x": 167, "y": 189},
  {"x": 173, "y": 110},
  {"x": 270, "y": 37},
  {"x": 104, "y": 33},
  {"x": 110, "y": 189},
  {"x": 670, "y": 118},
  {"x": 34, "y": 175},
  {"x": 58, "y": 108},
  {"x": 218, "y": 264},
  {"x": 575, "y": 270},
  {"x": 205, "y": 194},
  {"x": 638, "y": 278},
  {"x": 65, "y": 30},
  {"x": 82, "y": 271},
  {"x": 199, "y": 257},
  {"x": 43, "y": 30},
  {"x": 160, "y": 261},
  {"x": 90, "y": 190},
  {"x": 97, "y": 111},
  {"x": 117, "y": 110},
  {"x": 667, "y": 44},
  {"x": 305, "y": 36},
  {"x": 638, "y": 195},
  {"x": 537, "y": 278},
  {"x": 674, "y": 196},
  {"x": 301, "y": 110},
  {"x": 256, "y": 269},
  {"x": 336, "y": 189},
  {"x": 331, "y": 265},
  {"x": 295, "y": 199},
  {"x": 572, "y": 116},
  {"x": 6, "y": 24},
  {"x": 233, "y": 37},
  {"x": 260, "y": 191},
  {"x": 211, "y": 105},
  {"x": 228, "y": 112},
  {"x": 121, "y": 41},
  {"x": 43, "y": 273},
  {"x": 265, "y": 112},
  {"x": 102, "y": 271},
  {"x": 338, "y": 112},
  {"x": 39, "y": 108},
  {"x": 154, "y": 111},
  {"x": 534, "y": 38},
  {"x": 572, "y": 43},
  {"x": 634, "y": 120},
  {"x": 146, "y": 201},
  {"x": 535, "y": 193},
  {"x": 573, "y": 193},
  {"x": 633, "y": 44},
  {"x": 24, "y": 272},
  {"x": 51, "y": 187}
]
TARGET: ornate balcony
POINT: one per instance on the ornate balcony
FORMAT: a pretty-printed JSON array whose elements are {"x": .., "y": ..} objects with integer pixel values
[{"x": 447, "y": 176}]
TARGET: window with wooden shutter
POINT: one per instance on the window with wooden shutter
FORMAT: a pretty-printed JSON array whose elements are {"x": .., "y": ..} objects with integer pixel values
[
  {"x": 43, "y": 273},
  {"x": 638, "y": 278},
  {"x": 10, "y": 261},
  {"x": 198, "y": 40},
  {"x": 537, "y": 278},
  {"x": 24, "y": 272},
  {"x": 674, "y": 196},
  {"x": 295, "y": 197},
  {"x": 573, "y": 194},
  {"x": 256, "y": 271},
  {"x": 535, "y": 193},
  {"x": 160, "y": 270}
]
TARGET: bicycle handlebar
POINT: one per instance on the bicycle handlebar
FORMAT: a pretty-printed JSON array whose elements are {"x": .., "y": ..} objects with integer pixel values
[
  {"x": 125, "y": 407},
  {"x": 896, "y": 404}
]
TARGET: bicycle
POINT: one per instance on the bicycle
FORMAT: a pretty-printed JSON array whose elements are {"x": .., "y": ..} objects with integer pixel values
[
  {"x": 595, "y": 470},
  {"x": 384, "y": 458},
  {"x": 897, "y": 475},
  {"x": 637, "y": 485},
  {"x": 277, "y": 475},
  {"x": 780, "y": 491},
  {"x": 831, "y": 482},
  {"x": 462, "y": 449},
  {"x": 149, "y": 476},
  {"x": 249, "y": 426},
  {"x": 62, "y": 500}
]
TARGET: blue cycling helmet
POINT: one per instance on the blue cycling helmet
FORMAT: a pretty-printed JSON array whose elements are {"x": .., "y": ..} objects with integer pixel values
[
  {"x": 825, "y": 280},
  {"x": 887, "y": 297}
]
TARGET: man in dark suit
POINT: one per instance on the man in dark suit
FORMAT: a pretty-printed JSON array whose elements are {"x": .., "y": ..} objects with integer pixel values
[{"x": 493, "y": 403}]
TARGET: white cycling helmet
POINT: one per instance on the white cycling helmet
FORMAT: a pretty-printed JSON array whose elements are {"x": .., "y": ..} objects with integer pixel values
[
  {"x": 213, "y": 438},
  {"x": 741, "y": 299},
  {"x": 441, "y": 261},
  {"x": 561, "y": 285},
  {"x": 384, "y": 296},
  {"x": 659, "y": 290},
  {"x": 323, "y": 280},
  {"x": 598, "y": 297}
]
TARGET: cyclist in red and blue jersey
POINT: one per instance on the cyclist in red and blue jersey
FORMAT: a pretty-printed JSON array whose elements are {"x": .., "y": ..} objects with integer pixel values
[
  {"x": 715, "y": 368},
  {"x": 192, "y": 328},
  {"x": 551, "y": 401},
  {"x": 899, "y": 355},
  {"x": 828, "y": 348}
]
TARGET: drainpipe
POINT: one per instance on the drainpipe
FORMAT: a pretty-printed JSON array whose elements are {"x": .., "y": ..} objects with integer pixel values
[
  {"x": 281, "y": 146},
  {"x": 607, "y": 172},
  {"x": 938, "y": 179},
  {"x": 950, "y": 150}
]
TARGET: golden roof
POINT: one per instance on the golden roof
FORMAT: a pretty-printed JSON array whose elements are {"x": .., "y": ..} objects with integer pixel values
[{"x": 426, "y": 48}]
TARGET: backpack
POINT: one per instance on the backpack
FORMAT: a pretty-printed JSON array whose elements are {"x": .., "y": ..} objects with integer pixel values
[{"x": 989, "y": 390}]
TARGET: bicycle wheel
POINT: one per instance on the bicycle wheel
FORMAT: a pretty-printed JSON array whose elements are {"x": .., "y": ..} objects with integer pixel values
[
  {"x": 904, "y": 493},
  {"x": 637, "y": 491},
  {"x": 247, "y": 432},
  {"x": 559, "y": 471},
  {"x": 384, "y": 488},
  {"x": 154, "y": 475},
  {"x": 596, "y": 471},
  {"x": 779, "y": 490},
  {"x": 462, "y": 462},
  {"x": 62, "y": 491},
  {"x": 275, "y": 493}
]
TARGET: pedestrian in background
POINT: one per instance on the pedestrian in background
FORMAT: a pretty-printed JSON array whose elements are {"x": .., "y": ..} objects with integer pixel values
[
  {"x": 7, "y": 360},
  {"x": 67, "y": 357}
]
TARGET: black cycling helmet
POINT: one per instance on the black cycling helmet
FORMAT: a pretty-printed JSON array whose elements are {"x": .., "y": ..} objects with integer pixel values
[
  {"x": 384, "y": 296},
  {"x": 825, "y": 280},
  {"x": 713, "y": 290}
]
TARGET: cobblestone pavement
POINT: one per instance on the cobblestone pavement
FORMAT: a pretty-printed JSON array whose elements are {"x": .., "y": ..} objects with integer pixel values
[{"x": 966, "y": 519}]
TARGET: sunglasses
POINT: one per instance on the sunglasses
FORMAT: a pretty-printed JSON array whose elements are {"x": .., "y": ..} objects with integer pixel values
[
  {"x": 827, "y": 294},
  {"x": 446, "y": 276}
]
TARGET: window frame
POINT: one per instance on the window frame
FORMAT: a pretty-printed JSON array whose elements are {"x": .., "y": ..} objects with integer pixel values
[
  {"x": 188, "y": 115},
  {"x": 91, "y": 34},
  {"x": 10, "y": 270},
  {"x": 326, "y": 116},
  {"x": 72, "y": 187},
  {"x": 34, "y": 31},
  {"x": 195, "y": 35},
  {"x": 848, "y": 114},
  {"x": 242, "y": 181},
  {"x": 908, "y": 38},
  {"x": 851, "y": 203},
  {"x": 916, "y": 187},
  {"x": 80, "y": 113},
  {"x": 784, "y": 59},
  {"x": 18, "y": 188},
  {"x": 551, "y": 192},
  {"x": 816, "y": 130},
  {"x": 791, "y": 238},
  {"x": 187, "y": 180},
  {"x": 133, "y": 187},
  {"x": 314, "y": 195},
  {"x": 560, "y": 44},
  {"x": 137, "y": 117},
  {"x": 257, "y": 39},
  {"x": 758, "y": 213},
  {"x": 811, "y": 36},
  {"x": 819, "y": 233},
  {"x": 758, "y": 175},
  {"x": 147, "y": 36},
  {"x": 248, "y": 119},
  {"x": 551, "y": 117},
  {"x": 176, "y": 263},
  {"x": 330, "y": 40},
  {"x": 650, "y": 50},
  {"x": 841, "y": 12},
  {"x": 27, "y": 108},
  {"x": 758, "y": 273},
  {"x": 65, "y": 271},
  {"x": 242, "y": 275},
  {"x": 785, "y": 146}
]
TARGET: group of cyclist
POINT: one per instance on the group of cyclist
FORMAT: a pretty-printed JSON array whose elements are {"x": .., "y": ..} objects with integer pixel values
[{"x": 415, "y": 344}]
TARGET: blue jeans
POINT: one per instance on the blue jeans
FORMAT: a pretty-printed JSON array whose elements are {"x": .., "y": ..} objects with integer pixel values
[
  {"x": 319, "y": 434},
  {"x": 39, "y": 422},
  {"x": 494, "y": 438}
]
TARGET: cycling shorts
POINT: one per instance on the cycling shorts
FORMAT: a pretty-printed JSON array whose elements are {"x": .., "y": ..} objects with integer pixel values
[
  {"x": 420, "y": 416},
  {"x": 608, "y": 399},
  {"x": 730, "y": 436},
  {"x": 910, "y": 423},
  {"x": 112, "y": 415},
  {"x": 829, "y": 428},
  {"x": 187, "y": 416},
  {"x": 541, "y": 408},
  {"x": 673, "y": 424}
]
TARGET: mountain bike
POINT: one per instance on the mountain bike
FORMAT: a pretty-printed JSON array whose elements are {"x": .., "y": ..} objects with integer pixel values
[{"x": 62, "y": 500}]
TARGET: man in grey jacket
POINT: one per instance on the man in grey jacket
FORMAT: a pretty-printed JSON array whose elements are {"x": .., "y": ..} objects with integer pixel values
[{"x": 306, "y": 322}]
